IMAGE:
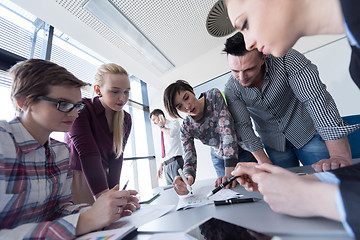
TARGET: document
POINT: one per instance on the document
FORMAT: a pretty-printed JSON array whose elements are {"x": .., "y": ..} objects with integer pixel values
[
  {"x": 113, "y": 234},
  {"x": 145, "y": 214},
  {"x": 199, "y": 198},
  {"x": 129, "y": 224}
]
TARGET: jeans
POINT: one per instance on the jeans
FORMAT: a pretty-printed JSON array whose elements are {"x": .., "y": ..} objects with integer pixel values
[
  {"x": 219, "y": 164},
  {"x": 312, "y": 152}
]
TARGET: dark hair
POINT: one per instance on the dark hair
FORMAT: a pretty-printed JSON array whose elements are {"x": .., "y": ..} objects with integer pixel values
[
  {"x": 170, "y": 93},
  {"x": 34, "y": 77},
  {"x": 156, "y": 112},
  {"x": 235, "y": 45}
]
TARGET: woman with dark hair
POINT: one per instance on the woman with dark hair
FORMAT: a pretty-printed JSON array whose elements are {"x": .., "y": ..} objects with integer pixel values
[{"x": 208, "y": 120}]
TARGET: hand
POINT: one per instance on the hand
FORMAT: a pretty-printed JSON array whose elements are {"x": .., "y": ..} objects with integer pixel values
[
  {"x": 286, "y": 192},
  {"x": 99, "y": 194},
  {"x": 331, "y": 164},
  {"x": 180, "y": 186},
  {"x": 108, "y": 208},
  {"x": 161, "y": 122},
  {"x": 245, "y": 170},
  {"x": 160, "y": 170},
  {"x": 223, "y": 179}
]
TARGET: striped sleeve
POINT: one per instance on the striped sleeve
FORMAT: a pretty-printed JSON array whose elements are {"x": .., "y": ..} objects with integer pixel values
[
  {"x": 305, "y": 81},
  {"x": 243, "y": 125}
]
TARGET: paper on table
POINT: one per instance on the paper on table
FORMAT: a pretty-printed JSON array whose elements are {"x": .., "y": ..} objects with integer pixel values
[
  {"x": 125, "y": 225},
  {"x": 199, "y": 198},
  {"x": 145, "y": 214},
  {"x": 113, "y": 234},
  {"x": 175, "y": 235}
]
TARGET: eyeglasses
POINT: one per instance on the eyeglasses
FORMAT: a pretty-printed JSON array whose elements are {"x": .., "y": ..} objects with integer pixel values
[{"x": 64, "y": 106}]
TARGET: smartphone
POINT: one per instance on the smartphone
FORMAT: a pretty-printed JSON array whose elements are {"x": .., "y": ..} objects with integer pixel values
[
  {"x": 161, "y": 118},
  {"x": 216, "y": 229}
]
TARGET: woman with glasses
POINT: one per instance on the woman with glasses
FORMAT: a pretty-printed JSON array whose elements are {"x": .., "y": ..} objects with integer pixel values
[
  {"x": 35, "y": 175},
  {"x": 99, "y": 135}
]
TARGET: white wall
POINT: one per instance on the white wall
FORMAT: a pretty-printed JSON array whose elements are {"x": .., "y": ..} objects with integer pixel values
[{"x": 332, "y": 61}]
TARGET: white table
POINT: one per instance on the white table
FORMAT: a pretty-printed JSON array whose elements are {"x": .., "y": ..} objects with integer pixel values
[{"x": 257, "y": 216}]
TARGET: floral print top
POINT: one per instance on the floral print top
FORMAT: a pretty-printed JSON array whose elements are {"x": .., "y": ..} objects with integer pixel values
[{"x": 215, "y": 129}]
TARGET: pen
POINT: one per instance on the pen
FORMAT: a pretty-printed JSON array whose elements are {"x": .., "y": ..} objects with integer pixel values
[
  {"x": 182, "y": 175},
  {"x": 221, "y": 186},
  {"x": 125, "y": 185},
  {"x": 235, "y": 200}
]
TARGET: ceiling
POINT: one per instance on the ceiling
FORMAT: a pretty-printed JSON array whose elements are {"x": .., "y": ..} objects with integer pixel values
[{"x": 177, "y": 28}]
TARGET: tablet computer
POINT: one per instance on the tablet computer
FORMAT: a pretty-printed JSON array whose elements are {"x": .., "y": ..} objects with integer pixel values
[{"x": 216, "y": 229}]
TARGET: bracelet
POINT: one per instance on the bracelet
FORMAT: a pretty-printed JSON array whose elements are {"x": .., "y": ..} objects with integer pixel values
[{"x": 162, "y": 126}]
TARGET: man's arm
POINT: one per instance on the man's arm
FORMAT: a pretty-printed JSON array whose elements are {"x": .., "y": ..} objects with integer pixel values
[
  {"x": 243, "y": 126},
  {"x": 261, "y": 156},
  {"x": 305, "y": 81},
  {"x": 340, "y": 155}
]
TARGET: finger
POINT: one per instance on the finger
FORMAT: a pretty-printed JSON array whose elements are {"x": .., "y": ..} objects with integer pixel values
[
  {"x": 116, "y": 188},
  {"x": 131, "y": 207},
  {"x": 126, "y": 213},
  {"x": 132, "y": 192},
  {"x": 241, "y": 180},
  {"x": 233, "y": 184},
  {"x": 217, "y": 182},
  {"x": 132, "y": 199},
  {"x": 345, "y": 163},
  {"x": 335, "y": 165},
  {"x": 190, "y": 179},
  {"x": 317, "y": 167},
  {"x": 326, "y": 166}
]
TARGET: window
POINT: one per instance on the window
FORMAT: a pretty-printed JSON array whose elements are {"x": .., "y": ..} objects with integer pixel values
[{"x": 27, "y": 36}]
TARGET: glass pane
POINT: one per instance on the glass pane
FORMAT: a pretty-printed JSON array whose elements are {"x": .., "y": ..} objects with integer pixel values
[
  {"x": 75, "y": 58},
  {"x": 20, "y": 30},
  {"x": 7, "y": 109},
  {"x": 136, "y": 94}
]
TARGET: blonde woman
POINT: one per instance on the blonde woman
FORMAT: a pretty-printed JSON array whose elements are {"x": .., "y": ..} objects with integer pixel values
[{"x": 99, "y": 135}]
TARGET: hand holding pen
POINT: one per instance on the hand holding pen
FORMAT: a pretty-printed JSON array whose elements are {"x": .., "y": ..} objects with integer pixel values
[
  {"x": 182, "y": 183},
  {"x": 223, "y": 179},
  {"x": 222, "y": 185}
]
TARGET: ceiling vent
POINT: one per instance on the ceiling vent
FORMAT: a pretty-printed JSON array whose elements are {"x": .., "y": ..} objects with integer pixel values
[{"x": 217, "y": 22}]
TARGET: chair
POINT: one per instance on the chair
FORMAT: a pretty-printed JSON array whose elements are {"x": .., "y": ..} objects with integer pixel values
[{"x": 354, "y": 137}]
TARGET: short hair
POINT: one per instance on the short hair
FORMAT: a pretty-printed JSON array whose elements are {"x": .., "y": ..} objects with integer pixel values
[
  {"x": 156, "y": 112},
  {"x": 169, "y": 96},
  {"x": 235, "y": 45},
  {"x": 34, "y": 77}
]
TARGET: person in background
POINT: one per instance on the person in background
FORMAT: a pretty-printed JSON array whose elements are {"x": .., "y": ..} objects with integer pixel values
[
  {"x": 35, "y": 177},
  {"x": 99, "y": 135},
  {"x": 208, "y": 120},
  {"x": 273, "y": 27},
  {"x": 291, "y": 108},
  {"x": 171, "y": 145}
]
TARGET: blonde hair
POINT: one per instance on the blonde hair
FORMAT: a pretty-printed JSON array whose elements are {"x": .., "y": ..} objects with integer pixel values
[{"x": 118, "y": 120}]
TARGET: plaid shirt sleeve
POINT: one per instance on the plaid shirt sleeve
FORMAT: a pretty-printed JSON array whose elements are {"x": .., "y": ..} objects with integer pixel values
[{"x": 35, "y": 195}]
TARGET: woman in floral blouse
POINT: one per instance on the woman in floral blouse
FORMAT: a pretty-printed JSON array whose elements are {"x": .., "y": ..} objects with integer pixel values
[{"x": 209, "y": 120}]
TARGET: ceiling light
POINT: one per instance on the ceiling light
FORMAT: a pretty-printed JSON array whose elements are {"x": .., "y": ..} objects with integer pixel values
[{"x": 109, "y": 14}]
